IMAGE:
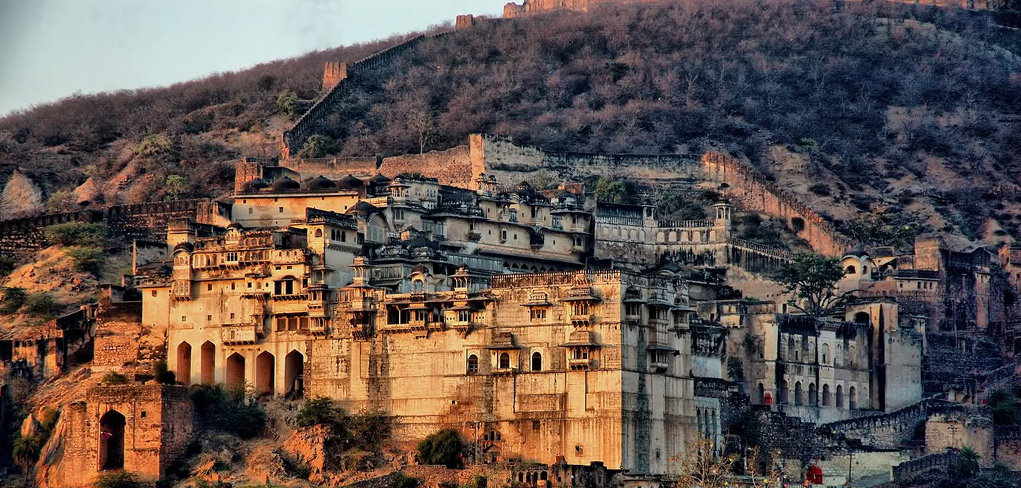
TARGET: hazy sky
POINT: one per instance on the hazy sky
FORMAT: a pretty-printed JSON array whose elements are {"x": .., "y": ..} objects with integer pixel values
[{"x": 50, "y": 49}]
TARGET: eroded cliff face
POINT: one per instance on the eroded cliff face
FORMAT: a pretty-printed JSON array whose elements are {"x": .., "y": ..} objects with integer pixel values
[{"x": 21, "y": 197}]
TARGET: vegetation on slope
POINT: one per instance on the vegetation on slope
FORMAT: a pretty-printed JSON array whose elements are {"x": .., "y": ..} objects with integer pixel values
[{"x": 876, "y": 107}]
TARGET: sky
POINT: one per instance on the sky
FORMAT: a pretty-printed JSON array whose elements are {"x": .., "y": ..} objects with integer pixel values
[{"x": 51, "y": 49}]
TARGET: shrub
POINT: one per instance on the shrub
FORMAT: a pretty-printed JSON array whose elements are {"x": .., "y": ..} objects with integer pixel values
[
  {"x": 163, "y": 375},
  {"x": 87, "y": 259},
  {"x": 42, "y": 305},
  {"x": 14, "y": 298},
  {"x": 820, "y": 189},
  {"x": 228, "y": 411},
  {"x": 319, "y": 411},
  {"x": 6, "y": 265},
  {"x": 443, "y": 447},
  {"x": 287, "y": 103},
  {"x": 61, "y": 201},
  {"x": 116, "y": 479},
  {"x": 25, "y": 452},
  {"x": 115, "y": 379},
  {"x": 402, "y": 480},
  {"x": 77, "y": 234},
  {"x": 315, "y": 147},
  {"x": 477, "y": 481},
  {"x": 155, "y": 145},
  {"x": 608, "y": 190}
]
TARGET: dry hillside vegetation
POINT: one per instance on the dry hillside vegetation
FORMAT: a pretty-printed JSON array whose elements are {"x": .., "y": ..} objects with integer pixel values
[{"x": 905, "y": 112}]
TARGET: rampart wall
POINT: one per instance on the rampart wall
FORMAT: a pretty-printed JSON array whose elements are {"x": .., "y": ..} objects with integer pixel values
[
  {"x": 341, "y": 77},
  {"x": 886, "y": 431},
  {"x": 749, "y": 189},
  {"x": 137, "y": 221},
  {"x": 451, "y": 166}
]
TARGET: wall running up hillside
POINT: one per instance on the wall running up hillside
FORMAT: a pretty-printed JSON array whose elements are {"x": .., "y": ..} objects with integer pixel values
[{"x": 750, "y": 190}]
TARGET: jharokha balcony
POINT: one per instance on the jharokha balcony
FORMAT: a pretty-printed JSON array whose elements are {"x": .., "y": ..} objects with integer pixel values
[{"x": 240, "y": 333}]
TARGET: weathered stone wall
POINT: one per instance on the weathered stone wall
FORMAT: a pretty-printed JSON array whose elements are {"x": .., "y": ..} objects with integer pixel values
[
  {"x": 158, "y": 425},
  {"x": 450, "y": 167},
  {"x": 886, "y": 431},
  {"x": 959, "y": 428},
  {"x": 753, "y": 192},
  {"x": 137, "y": 221}
]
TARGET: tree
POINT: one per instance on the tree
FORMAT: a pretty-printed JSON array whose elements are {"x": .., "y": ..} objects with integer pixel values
[
  {"x": 315, "y": 147},
  {"x": 700, "y": 466},
  {"x": 175, "y": 185},
  {"x": 443, "y": 447},
  {"x": 813, "y": 278},
  {"x": 25, "y": 453},
  {"x": 287, "y": 103},
  {"x": 608, "y": 190}
]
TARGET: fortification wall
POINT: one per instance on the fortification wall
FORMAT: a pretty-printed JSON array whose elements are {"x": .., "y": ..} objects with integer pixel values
[
  {"x": 886, "y": 431},
  {"x": 512, "y": 163},
  {"x": 342, "y": 79},
  {"x": 138, "y": 221},
  {"x": 748, "y": 188},
  {"x": 528, "y": 7},
  {"x": 450, "y": 167},
  {"x": 334, "y": 168}
]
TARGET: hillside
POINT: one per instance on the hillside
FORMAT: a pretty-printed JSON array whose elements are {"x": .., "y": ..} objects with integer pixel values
[{"x": 890, "y": 119}]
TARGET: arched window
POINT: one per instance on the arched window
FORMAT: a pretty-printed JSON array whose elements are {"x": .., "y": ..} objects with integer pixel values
[
  {"x": 852, "y": 357},
  {"x": 852, "y": 400},
  {"x": 504, "y": 360},
  {"x": 837, "y": 358},
  {"x": 536, "y": 361},
  {"x": 798, "y": 398},
  {"x": 850, "y": 270},
  {"x": 825, "y": 353},
  {"x": 762, "y": 393},
  {"x": 473, "y": 364},
  {"x": 813, "y": 395},
  {"x": 790, "y": 347},
  {"x": 840, "y": 396},
  {"x": 319, "y": 232},
  {"x": 782, "y": 393}
]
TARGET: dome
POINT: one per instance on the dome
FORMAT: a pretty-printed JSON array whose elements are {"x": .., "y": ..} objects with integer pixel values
[
  {"x": 184, "y": 246},
  {"x": 350, "y": 183},
  {"x": 319, "y": 183},
  {"x": 255, "y": 185},
  {"x": 285, "y": 183},
  {"x": 379, "y": 179}
]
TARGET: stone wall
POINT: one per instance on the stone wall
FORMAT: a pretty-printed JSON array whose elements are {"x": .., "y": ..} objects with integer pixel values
[
  {"x": 885, "y": 431},
  {"x": 752, "y": 191},
  {"x": 959, "y": 428},
  {"x": 136, "y": 221},
  {"x": 450, "y": 167},
  {"x": 341, "y": 78},
  {"x": 157, "y": 426}
]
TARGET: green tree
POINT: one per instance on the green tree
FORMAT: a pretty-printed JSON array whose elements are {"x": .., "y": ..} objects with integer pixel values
[
  {"x": 156, "y": 146},
  {"x": 287, "y": 103},
  {"x": 25, "y": 453},
  {"x": 608, "y": 190},
  {"x": 175, "y": 185},
  {"x": 813, "y": 278},
  {"x": 7, "y": 264},
  {"x": 443, "y": 447},
  {"x": 13, "y": 299},
  {"x": 116, "y": 479},
  {"x": 315, "y": 147},
  {"x": 42, "y": 305},
  {"x": 87, "y": 259},
  {"x": 61, "y": 201}
]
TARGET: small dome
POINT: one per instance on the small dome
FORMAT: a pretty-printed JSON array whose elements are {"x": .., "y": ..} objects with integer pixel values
[
  {"x": 285, "y": 183},
  {"x": 319, "y": 183},
  {"x": 184, "y": 246},
  {"x": 255, "y": 185},
  {"x": 379, "y": 179},
  {"x": 350, "y": 183}
]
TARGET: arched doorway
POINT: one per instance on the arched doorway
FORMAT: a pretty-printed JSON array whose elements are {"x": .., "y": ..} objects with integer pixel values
[
  {"x": 208, "y": 359},
  {"x": 294, "y": 374},
  {"x": 862, "y": 318},
  {"x": 184, "y": 363},
  {"x": 235, "y": 371},
  {"x": 111, "y": 441},
  {"x": 264, "y": 366}
]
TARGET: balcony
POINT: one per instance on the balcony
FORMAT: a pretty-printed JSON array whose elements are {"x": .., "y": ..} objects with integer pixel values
[
  {"x": 367, "y": 304},
  {"x": 240, "y": 334},
  {"x": 317, "y": 327},
  {"x": 658, "y": 366},
  {"x": 580, "y": 364},
  {"x": 290, "y": 297},
  {"x": 581, "y": 319}
]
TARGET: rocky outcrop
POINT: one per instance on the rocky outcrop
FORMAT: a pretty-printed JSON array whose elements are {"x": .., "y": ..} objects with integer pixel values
[{"x": 308, "y": 446}]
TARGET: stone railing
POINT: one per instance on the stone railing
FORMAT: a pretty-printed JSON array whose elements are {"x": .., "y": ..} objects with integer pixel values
[{"x": 939, "y": 463}]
